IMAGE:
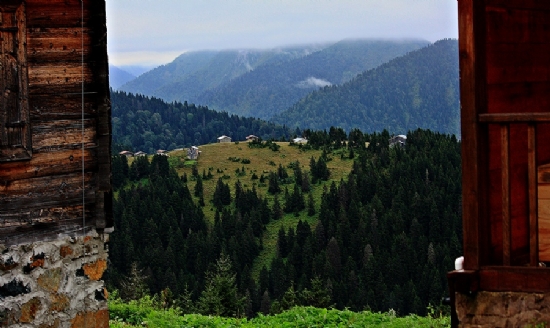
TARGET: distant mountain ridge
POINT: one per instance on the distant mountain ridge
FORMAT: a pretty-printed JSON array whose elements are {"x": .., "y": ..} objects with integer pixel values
[
  {"x": 118, "y": 76},
  {"x": 417, "y": 90},
  {"x": 192, "y": 73},
  {"x": 261, "y": 83},
  {"x": 270, "y": 89}
]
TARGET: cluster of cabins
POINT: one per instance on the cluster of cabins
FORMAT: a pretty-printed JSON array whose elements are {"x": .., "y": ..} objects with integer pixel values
[
  {"x": 128, "y": 153},
  {"x": 193, "y": 152}
]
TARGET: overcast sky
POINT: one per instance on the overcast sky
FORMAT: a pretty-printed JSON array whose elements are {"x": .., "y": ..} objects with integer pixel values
[{"x": 154, "y": 32}]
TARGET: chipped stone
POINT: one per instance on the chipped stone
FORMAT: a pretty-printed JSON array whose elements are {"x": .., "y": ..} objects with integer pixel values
[
  {"x": 50, "y": 279},
  {"x": 65, "y": 251},
  {"x": 99, "y": 319},
  {"x": 58, "y": 302},
  {"x": 95, "y": 270},
  {"x": 9, "y": 264},
  {"x": 29, "y": 310}
]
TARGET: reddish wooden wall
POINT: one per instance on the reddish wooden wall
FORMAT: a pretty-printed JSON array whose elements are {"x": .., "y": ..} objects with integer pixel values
[
  {"x": 66, "y": 55},
  {"x": 505, "y": 68}
]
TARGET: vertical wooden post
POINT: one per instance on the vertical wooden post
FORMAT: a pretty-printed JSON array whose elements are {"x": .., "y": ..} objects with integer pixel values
[
  {"x": 473, "y": 101},
  {"x": 532, "y": 186},
  {"x": 505, "y": 174}
]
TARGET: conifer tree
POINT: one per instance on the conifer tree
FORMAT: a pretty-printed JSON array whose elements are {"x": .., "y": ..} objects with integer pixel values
[{"x": 220, "y": 296}]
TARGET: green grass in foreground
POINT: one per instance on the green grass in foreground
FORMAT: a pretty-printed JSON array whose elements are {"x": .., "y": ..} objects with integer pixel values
[{"x": 138, "y": 314}]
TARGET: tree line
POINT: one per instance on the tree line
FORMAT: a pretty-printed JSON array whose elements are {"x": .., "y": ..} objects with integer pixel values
[{"x": 148, "y": 124}]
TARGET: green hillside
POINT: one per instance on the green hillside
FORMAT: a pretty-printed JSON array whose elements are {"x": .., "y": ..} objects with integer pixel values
[
  {"x": 333, "y": 223},
  {"x": 417, "y": 90}
]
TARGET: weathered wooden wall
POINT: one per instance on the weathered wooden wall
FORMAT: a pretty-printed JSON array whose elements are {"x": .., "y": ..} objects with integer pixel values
[
  {"x": 69, "y": 109},
  {"x": 518, "y": 81},
  {"x": 505, "y": 69}
]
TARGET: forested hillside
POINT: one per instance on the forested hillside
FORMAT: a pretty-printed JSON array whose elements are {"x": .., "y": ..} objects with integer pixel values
[
  {"x": 192, "y": 73},
  {"x": 270, "y": 89},
  {"x": 261, "y": 83},
  {"x": 382, "y": 238},
  {"x": 419, "y": 89},
  {"x": 148, "y": 124}
]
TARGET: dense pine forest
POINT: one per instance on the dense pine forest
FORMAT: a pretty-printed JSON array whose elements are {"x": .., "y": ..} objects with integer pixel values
[
  {"x": 148, "y": 124},
  {"x": 382, "y": 238},
  {"x": 417, "y": 90}
]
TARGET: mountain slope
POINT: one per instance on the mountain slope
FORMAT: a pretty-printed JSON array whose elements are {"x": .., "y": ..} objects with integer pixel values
[
  {"x": 420, "y": 89},
  {"x": 118, "y": 76},
  {"x": 270, "y": 89},
  {"x": 193, "y": 73}
]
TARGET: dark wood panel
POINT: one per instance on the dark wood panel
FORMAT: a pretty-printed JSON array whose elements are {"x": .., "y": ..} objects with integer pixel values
[
  {"x": 66, "y": 89},
  {"x": 518, "y": 25},
  {"x": 518, "y": 54},
  {"x": 45, "y": 108},
  {"x": 524, "y": 279},
  {"x": 519, "y": 97},
  {"x": 517, "y": 74},
  {"x": 47, "y": 14},
  {"x": 520, "y": 4}
]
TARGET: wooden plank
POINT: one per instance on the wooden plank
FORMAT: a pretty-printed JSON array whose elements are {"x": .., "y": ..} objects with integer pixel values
[
  {"x": 61, "y": 107},
  {"x": 65, "y": 89},
  {"x": 41, "y": 14},
  {"x": 59, "y": 74},
  {"x": 70, "y": 183},
  {"x": 511, "y": 97},
  {"x": 48, "y": 163},
  {"x": 43, "y": 231},
  {"x": 505, "y": 176},
  {"x": 543, "y": 174},
  {"x": 46, "y": 200},
  {"x": 514, "y": 117},
  {"x": 518, "y": 54},
  {"x": 519, "y": 25},
  {"x": 518, "y": 74},
  {"x": 63, "y": 132},
  {"x": 519, "y": 4},
  {"x": 543, "y": 191},
  {"x": 515, "y": 279},
  {"x": 61, "y": 44},
  {"x": 543, "y": 212},
  {"x": 474, "y": 146},
  {"x": 532, "y": 190}
]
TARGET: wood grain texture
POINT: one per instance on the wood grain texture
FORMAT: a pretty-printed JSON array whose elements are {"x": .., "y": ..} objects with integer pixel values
[{"x": 532, "y": 190}]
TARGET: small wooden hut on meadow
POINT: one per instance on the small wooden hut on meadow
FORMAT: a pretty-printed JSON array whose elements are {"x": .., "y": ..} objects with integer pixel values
[{"x": 505, "y": 115}]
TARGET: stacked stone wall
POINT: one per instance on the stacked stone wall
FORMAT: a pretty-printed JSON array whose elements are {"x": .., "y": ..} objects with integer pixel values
[
  {"x": 503, "y": 309},
  {"x": 54, "y": 284}
]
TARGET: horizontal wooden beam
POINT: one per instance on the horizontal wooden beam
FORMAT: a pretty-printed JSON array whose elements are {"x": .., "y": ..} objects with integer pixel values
[
  {"x": 515, "y": 279},
  {"x": 513, "y": 117},
  {"x": 501, "y": 279}
]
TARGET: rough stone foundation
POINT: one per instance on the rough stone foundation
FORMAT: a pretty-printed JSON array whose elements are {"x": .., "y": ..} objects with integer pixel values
[
  {"x": 54, "y": 284},
  {"x": 504, "y": 309}
]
